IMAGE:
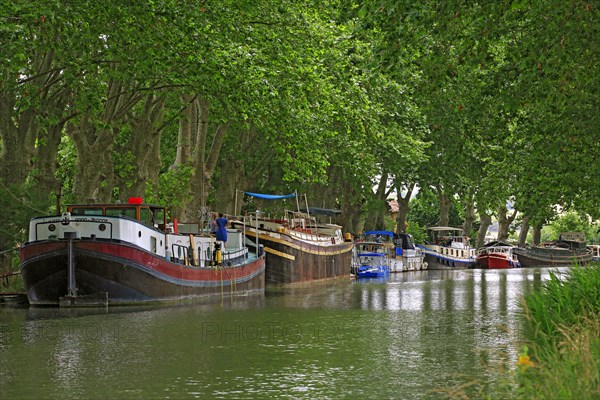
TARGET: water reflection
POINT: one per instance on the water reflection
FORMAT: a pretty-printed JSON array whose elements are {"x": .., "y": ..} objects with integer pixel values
[{"x": 413, "y": 336}]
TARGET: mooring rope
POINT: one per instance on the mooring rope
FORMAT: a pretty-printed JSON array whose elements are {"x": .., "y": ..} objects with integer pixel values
[
  {"x": 9, "y": 250},
  {"x": 21, "y": 201}
]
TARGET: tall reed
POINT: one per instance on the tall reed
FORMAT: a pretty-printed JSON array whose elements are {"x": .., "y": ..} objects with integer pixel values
[{"x": 562, "y": 359}]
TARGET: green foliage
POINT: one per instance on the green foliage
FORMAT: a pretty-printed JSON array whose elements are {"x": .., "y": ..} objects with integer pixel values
[
  {"x": 67, "y": 160},
  {"x": 424, "y": 210},
  {"x": 563, "y": 332},
  {"x": 20, "y": 203},
  {"x": 172, "y": 192},
  {"x": 483, "y": 101},
  {"x": 418, "y": 232},
  {"x": 571, "y": 222},
  {"x": 563, "y": 300}
]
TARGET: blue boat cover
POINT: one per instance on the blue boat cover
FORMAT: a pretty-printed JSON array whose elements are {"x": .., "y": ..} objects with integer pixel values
[
  {"x": 389, "y": 233},
  {"x": 271, "y": 196},
  {"x": 371, "y": 255}
]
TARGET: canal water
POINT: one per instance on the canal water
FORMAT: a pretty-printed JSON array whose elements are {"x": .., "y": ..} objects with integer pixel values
[{"x": 424, "y": 334}]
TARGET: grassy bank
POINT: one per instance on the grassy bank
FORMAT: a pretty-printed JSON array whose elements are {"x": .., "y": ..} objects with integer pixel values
[{"x": 562, "y": 357}]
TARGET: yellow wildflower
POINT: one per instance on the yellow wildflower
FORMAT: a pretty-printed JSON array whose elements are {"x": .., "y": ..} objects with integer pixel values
[{"x": 524, "y": 362}]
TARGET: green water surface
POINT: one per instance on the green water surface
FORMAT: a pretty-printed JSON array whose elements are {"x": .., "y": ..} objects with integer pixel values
[{"x": 425, "y": 334}]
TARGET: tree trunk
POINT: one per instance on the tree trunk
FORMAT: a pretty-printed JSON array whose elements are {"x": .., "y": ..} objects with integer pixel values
[
  {"x": 485, "y": 222},
  {"x": 144, "y": 143},
  {"x": 184, "y": 136},
  {"x": 504, "y": 222},
  {"x": 524, "y": 231},
  {"x": 375, "y": 216},
  {"x": 19, "y": 130},
  {"x": 95, "y": 137},
  {"x": 18, "y": 141},
  {"x": 537, "y": 233},
  {"x": 350, "y": 219},
  {"x": 204, "y": 162},
  {"x": 445, "y": 203},
  {"x": 94, "y": 176},
  {"x": 351, "y": 208},
  {"x": 469, "y": 217},
  {"x": 239, "y": 174},
  {"x": 45, "y": 163}
]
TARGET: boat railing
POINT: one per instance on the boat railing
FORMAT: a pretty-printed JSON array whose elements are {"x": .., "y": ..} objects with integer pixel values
[
  {"x": 495, "y": 249},
  {"x": 205, "y": 255}
]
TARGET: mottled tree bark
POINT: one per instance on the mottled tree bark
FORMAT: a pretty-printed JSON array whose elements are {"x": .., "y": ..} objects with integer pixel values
[
  {"x": 95, "y": 137},
  {"x": 504, "y": 222},
  {"x": 469, "y": 217},
  {"x": 241, "y": 173},
  {"x": 144, "y": 143},
  {"x": 202, "y": 159},
  {"x": 524, "y": 231},
  {"x": 485, "y": 222},
  {"x": 375, "y": 216},
  {"x": 20, "y": 127},
  {"x": 94, "y": 176},
  {"x": 537, "y": 233},
  {"x": 445, "y": 203}
]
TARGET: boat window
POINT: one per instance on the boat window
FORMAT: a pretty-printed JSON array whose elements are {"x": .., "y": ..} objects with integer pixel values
[
  {"x": 146, "y": 217},
  {"x": 121, "y": 211},
  {"x": 86, "y": 211},
  {"x": 159, "y": 215}
]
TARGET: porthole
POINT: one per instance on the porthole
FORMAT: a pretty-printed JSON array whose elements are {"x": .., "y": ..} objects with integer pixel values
[
  {"x": 102, "y": 227},
  {"x": 51, "y": 227},
  {"x": 139, "y": 233}
]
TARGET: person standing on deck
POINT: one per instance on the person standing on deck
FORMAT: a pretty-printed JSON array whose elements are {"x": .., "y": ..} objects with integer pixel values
[
  {"x": 222, "y": 229},
  {"x": 213, "y": 224}
]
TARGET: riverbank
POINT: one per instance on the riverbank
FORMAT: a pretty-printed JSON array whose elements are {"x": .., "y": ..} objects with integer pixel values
[{"x": 561, "y": 358}]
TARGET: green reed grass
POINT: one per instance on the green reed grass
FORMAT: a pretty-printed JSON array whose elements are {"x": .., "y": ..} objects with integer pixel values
[{"x": 562, "y": 359}]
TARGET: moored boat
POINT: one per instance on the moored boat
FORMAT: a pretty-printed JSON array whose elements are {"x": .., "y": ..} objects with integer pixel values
[
  {"x": 398, "y": 251},
  {"x": 297, "y": 247},
  {"x": 568, "y": 250},
  {"x": 497, "y": 255},
  {"x": 595, "y": 250},
  {"x": 448, "y": 249},
  {"x": 101, "y": 254}
]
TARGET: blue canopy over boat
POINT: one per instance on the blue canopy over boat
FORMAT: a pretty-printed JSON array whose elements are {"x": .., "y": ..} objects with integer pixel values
[
  {"x": 388, "y": 233},
  {"x": 271, "y": 196}
]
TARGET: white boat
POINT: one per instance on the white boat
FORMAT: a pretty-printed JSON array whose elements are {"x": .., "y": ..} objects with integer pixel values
[
  {"x": 101, "y": 254},
  {"x": 448, "y": 249},
  {"x": 395, "y": 251}
]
